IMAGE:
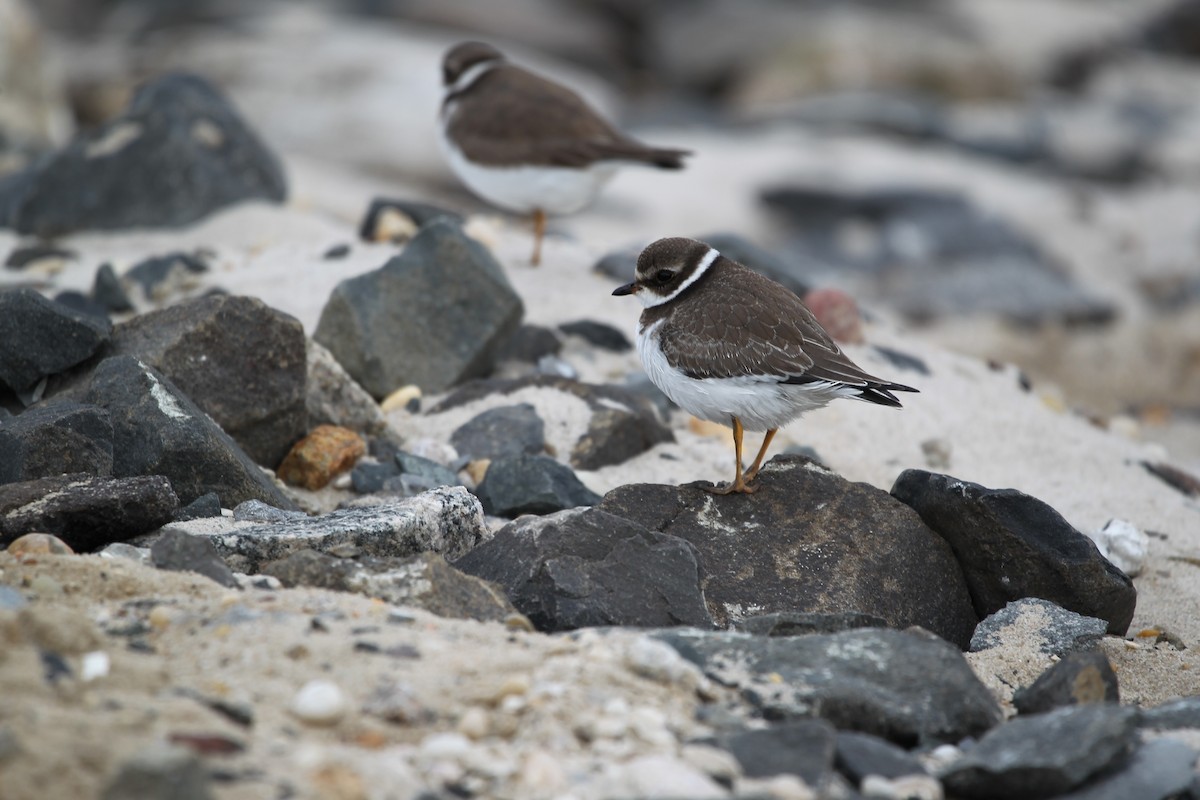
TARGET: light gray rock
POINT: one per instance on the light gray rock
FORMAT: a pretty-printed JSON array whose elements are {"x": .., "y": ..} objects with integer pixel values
[
  {"x": 1059, "y": 630},
  {"x": 334, "y": 398}
]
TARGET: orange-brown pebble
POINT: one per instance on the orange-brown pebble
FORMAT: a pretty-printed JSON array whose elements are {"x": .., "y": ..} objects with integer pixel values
[
  {"x": 39, "y": 544},
  {"x": 318, "y": 458}
]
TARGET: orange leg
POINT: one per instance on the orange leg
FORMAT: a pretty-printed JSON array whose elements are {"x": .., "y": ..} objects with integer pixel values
[
  {"x": 738, "y": 484},
  {"x": 752, "y": 473},
  {"x": 539, "y": 230}
]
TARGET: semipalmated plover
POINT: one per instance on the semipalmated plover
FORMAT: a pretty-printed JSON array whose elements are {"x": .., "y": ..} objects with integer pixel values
[
  {"x": 729, "y": 345},
  {"x": 527, "y": 144}
]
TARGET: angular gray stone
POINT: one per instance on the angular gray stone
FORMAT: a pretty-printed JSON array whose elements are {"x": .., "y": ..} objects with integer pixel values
[
  {"x": 582, "y": 568},
  {"x": 1012, "y": 545},
  {"x": 800, "y": 747},
  {"x": 861, "y": 754},
  {"x": 907, "y": 687},
  {"x": 1159, "y": 770},
  {"x": 502, "y": 431},
  {"x": 448, "y": 521},
  {"x": 160, "y": 772},
  {"x": 181, "y": 552},
  {"x": 39, "y": 337},
  {"x": 1059, "y": 631},
  {"x": 599, "y": 334},
  {"x": 426, "y": 470},
  {"x": 334, "y": 398},
  {"x": 178, "y": 153},
  {"x": 526, "y": 484},
  {"x": 809, "y": 541},
  {"x": 433, "y": 316},
  {"x": 204, "y": 506},
  {"x": 1078, "y": 679},
  {"x": 422, "y": 581},
  {"x": 85, "y": 511},
  {"x": 236, "y": 358},
  {"x": 1182, "y": 712},
  {"x": 1044, "y": 755},
  {"x": 158, "y": 430},
  {"x": 108, "y": 291},
  {"x": 54, "y": 439}
]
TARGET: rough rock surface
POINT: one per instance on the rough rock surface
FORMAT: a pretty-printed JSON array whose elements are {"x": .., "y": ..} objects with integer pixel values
[
  {"x": 424, "y": 581},
  {"x": 54, "y": 439},
  {"x": 178, "y": 153},
  {"x": 1078, "y": 679},
  {"x": 334, "y": 398},
  {"x": 182, "y": 552},
  {"x": 157, "y": 430},
  {"x": 1058, "y": 631},
  {"x": 525, "y": 484},
  {"x": 798, "y": 747},
  {"x": 873, "y": 681},
  {"x": 39, "y": 337},
  {"x": 1012, "y": 546},
  {"x": 239, "y": 360},
  {"x": 448, "y": 521},
  {"x": 499, "y": 432},
  {"x": 581, "y": 568},
  {"x": 811, "y": 541},
  {"x": 432, "y": 316},
  {"x": 85, "y": 511}
]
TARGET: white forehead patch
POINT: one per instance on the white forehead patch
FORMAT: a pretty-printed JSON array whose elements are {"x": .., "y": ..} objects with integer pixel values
[{"x": 649, "y": 299}]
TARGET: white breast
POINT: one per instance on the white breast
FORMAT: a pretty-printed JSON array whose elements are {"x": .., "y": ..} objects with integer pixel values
[{"x": 761, "y": 402}]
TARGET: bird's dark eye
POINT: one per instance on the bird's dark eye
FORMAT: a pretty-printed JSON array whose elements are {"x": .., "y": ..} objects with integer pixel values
[{"x": 664, "y": 275}]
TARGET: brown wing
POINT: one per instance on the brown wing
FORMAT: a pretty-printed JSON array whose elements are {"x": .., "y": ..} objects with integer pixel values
[
  {"x": 516, "y": 117},
  {"x": 759, "y": 328}
]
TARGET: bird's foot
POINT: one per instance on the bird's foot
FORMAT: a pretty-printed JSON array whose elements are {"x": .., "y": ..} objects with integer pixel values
[{"x": 737, "y": 487}]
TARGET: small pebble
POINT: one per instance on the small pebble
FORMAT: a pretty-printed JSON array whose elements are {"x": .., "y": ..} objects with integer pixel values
[
  {"x": 541, "y": 775},
  {"x": 39, "y": 544},
  {"x": 127, "y": 551},
  {"x": 320, "y": 702},
  {"x": 907, "y": 787},
  {"x": 402, "y": 398},
  {"x": 1124, "y": 544},
  {"x": 474, "y": 723},
  {"x": 658, "y": 661},
  {"x": 95, "y": 665}
]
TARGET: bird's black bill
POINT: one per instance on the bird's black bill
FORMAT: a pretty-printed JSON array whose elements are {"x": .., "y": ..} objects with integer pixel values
[{"x": 620, "y": 291}]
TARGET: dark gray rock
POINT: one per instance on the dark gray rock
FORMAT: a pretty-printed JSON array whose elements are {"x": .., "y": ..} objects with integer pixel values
[
  {"x": 583, "y": 568},
  {"x": 1078, "y": 679},
  {"x": 421, "y": 214},
  {"x": 447, "y": 521},
  {"x": 600, "y": 334},
  {"x": 426, "y": 470},
  {"x": 54, "y": 439},
  {"x": 108, "y": 291},
  {"x": 902, "y": 360},
  {"x": 160, "y": 772},
  {"x": 334, "y": 398},
  {"x": 422, "y": 581},
  {"x": 241, "y": 361},
  {"x": 22, "y": 257},
  {"x": 158, "y": 274},
  {"x": 85, "y": 511},
  {"x": 798, "y": 623},
  {"x": 433, "y": 316},
  {"x": 182, "y": 552},
  {"x": 368, "y": 478},
  {"x": 178, "y": 153},
  {"x": 624, "y": 423},
  {"x": 1158, "y": 770},
  {"x": 205, "y": 506},
  {"x": 907, "y": 687},
  {"x": 503, "y": 431},
  {"x": 801, "y": 747},
  {"x": 39, "y": 337},
  {"x": 1011, "y": 545},
  {"x": 526, "y": 484},
  {"x": 81, "y": 303},
  {"x": 528, "y": 344},
  {"x": 861, "y": 754},
  {"x": 810, "y": 541},
  {"x": 158, "y": 430},
  {"x": 1183, "y": 712},
  {"x": 1059, "y": 631},
  {"x": 1044, "y": 755},
  {"x": 933, "y": 254}
]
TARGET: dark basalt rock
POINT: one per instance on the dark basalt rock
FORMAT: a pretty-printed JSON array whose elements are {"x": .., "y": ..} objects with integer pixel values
[
  {"x": 1044, "y": 755},
  {"x": 181, "y": 552},
  {"x": 583, "y": 568},
  {"x": 1160, "y": 770},
  {"x": 236, "y": 358},
  {"x": 108, "y": 291},
  {"x": 528, "y": 344},
  {"x": 178, "y": 153},
  {"x": 861, "y": 754},
  {"x": 433, "y": 316},
  {"x": 39, "y": 338},
  {"x": 527, "y": 484},
  {"x": 422, "y": 581},
  {"x": 86, "y": 511},
  {"x": 800, "y": 747},
  {"x": 600, "y": 334},
  {"x": 155, "y": 274},
  {"x": 421, "y": 214},
  {"x": 158, "y": 430},
  {"x": 810, "y": 541},
  {"x": 1079, "y": 679},
  {"x": 796, "y": 623},
  {"x": 907, "y": 687},
  {"x": 1011, "y": 545},
  {"x": 205, "y": 506},
  {"x": 55, "y": 439},
  {"x": 499, "y": 432}
]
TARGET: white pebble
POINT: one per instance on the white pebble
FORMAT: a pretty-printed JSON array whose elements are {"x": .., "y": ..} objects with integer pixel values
[
  {"x": 777, "y": 787},
  {"x": 665, "y": 776},
  {"x": 320, "y": 702},
  {"x": 542, "y": 775},
  {"x": 474, "y": 723},
  {"x": 95, "y": 665},
  {"x": 659, "y": 661},
  {"x": 1124, "y": 544},
  {"x": 450, "y": 746},
  {"x": 906, "y": 787}
]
